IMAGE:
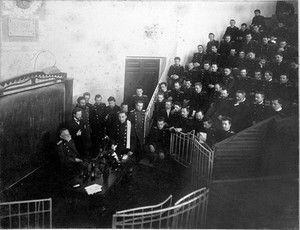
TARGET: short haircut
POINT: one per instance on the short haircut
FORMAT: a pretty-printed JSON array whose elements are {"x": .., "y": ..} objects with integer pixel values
[
  {"x": 227, "y": 119},
  {"x": 124, "y": 103},
  {"x": 177, "y": 58},
  {"x": 177, "y": 103},
  {"x": 214, "y": 63},
  {"x": 160, "y": 119},
  {"x": 86, "y": 94},
  {"x": 260, "y": 92},
  {"x": 188, "y": 79},
  {"x": 139, "y": 87},
  {"x": 227, "y": 67},
  {"x": 206, "y": 62},
  {"x": 61, "y": 130},
  {"x": 80, "y": 98},
  {"x": 167, "y": 101},
  {"x": 232, "y": 20},
  {"x": 121, "y": 112},
  {"x": 160, "y": 93},
  {"x": 227, "y": 35},
  {"x": 177, "y": 82},
  {"x": 187, "y": 108},
  {"x": 75, "y": 110},
  {"x": 269, "y": 72},
  {"x": 279, "y": 99},
  {"x": 224, "y": 88},
  {"x": 244, "y": 24},
  {"x": 98, "y": 96},
  {"x": 198, "y": 83},
  {"x": 243, "y": 68},
  {"x": 111, "y": 98},
  {"x": 139, "y": 102},
  {"x": 279, "y": 53},
  {"x": 208, "y": 120},
  {"x": 241, "y": 91},
  {"x": 284, "y": 74},
  {"x": 199, "y": 111},
  {"x": 258, "y": 71},
  {"x": 257, "y": 10},
  {"x": 242, "y": 51},
  {"x": 201, "y": 46},
  {"x": 211, "y": 34},
  {"x": 249, "y": 34},
  {"x": 163, "y": 83}
]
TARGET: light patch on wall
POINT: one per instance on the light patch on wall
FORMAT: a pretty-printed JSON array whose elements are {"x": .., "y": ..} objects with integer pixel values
[{"x": 152, "y": 32}]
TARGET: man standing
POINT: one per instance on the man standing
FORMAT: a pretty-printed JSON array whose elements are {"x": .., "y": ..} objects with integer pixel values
[
  {"x": 176, "y": 72},
  {"x": 139, "y": 97},
  {"x": 111, "y": 114},
  {"x": 137, "y": 118}
]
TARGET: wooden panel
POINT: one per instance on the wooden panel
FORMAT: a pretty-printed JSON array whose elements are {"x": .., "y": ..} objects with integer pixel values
[{"x": 28, "y": 132}]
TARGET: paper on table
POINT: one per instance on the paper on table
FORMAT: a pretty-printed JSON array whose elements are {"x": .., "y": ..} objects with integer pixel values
[{"x": 92, "y": 189}]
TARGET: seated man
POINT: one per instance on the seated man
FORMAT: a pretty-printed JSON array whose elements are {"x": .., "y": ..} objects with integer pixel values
[
  {"x": 258, "y": 20},
  {"x": 139, "y": 96},
  {"x": 258, "y": 110},
  {"x": 226, "y": 131},
  {"x": 199, "y": 98},
  {"x": 166, "y": 112},
  {"x": 159, "y": 105},
  {"x": 198, "y": 122},
  {"x": 199, "y": 57},
  {"x": 212, "y": 42},
  {"x": 188, "y": 90},
  {"x": 158, "y": 141},
  {"x": 231, "y": 30},
  {"x": 176, "y": 72},
  {"x": 176, "y": 93},
  {"x": 209, "y": 130},
  {"x": 163, "y": 87},
  {"x": 184, "y": 123},
  {"x": 68, "y": 154}
]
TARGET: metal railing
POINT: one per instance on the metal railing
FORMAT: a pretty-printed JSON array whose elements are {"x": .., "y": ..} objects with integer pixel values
[
  {"x": 26, "y": 214},
  {"x": 198, "y": 157},
  {"x": 188, "y": 212}
]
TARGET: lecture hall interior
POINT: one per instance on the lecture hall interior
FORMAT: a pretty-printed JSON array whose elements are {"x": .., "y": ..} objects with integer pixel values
[{"x": 149, "y": 114}]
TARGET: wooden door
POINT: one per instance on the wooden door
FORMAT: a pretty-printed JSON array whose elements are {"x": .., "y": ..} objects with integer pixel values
[{"x": 142, "y": 72}]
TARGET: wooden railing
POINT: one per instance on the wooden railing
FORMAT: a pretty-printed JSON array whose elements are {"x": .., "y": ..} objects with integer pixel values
[
  {"x": 188, "y": 212},
  {"x": 150, "y": 108}
]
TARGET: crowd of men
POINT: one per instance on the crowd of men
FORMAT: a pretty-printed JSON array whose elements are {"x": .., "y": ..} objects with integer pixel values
[{"x": 252, "y": 74}]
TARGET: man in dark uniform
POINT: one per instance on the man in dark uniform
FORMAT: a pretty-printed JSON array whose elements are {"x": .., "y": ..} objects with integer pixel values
[
  {"x": 258, "y": 110},
  {"x": 191, "y": 73},
  {"x": 287, "y": 90},
  {"x": 240, "y": 112},
  {"x": 68, "y": 155},
  {"x": 228, "y": 80},
  {"x": 122, "y": 136},
  {"x": 111, "y": 114},
  {"x": 269, "y": 86},
  {"x": 188, "y": 91},
  {"x": 77, "y": 130},
  {"x": 226, "y": 131},
  {"x": 241, "y": 35},
  {"x": 266, "y": 49},
  {"x": 199, "y": 57},
  {"x": 214, "y": 56},
  {"x": 225, "y": 48},
  {"x": 198, "y": 122},
  {"x": 159, "y": 106},
  {"x": 215, "y": 77},
  {"x": 212, "y": 42},
  {"x": 184, "y": 123},
  {"x": 98, "y": 114},
  {"x": 232, "y": 59},
  {"x": 199, "y": 99},
  {"x": 81, "y": 103},
  {"x": 163, "y": 87},
  {"x": 139, "y": 96},
  {"x": 250, "y": 45},
  {"x": 87, "y": 97},
  {"x": 210, "y": 131},
  {"x": 137, "y": 118},
  {"x": 258, "y": 20},
  {"x": 176, "y": 93},
  {"x": 158, "y": 141},
  {"x": 241, "y": 59},
  {"x": 279, "y": 67},
  {"x": 176, "y": 72},
  {"x": 231, "y": 30}
]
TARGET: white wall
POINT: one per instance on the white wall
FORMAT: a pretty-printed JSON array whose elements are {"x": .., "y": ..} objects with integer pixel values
[{"x": 91, "y": 39}]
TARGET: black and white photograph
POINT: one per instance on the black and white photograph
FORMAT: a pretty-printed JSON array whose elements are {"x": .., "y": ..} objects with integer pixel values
[{"x": 149, "y": 114}]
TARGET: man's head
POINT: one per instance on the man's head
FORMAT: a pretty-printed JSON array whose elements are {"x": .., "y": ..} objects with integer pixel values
[
  {"x": 232, "y": 22},
  {"x": 224, "y": 93},
  {"x": 177, "y": 61},
  {"x": 185, "y": 112},
  {"x": 214, "y": 49},
  {"x": 198, "y": 87},
  {"x": 242, "y": 54},
  {"x": 226, "y": 123},
  {"x": 259, "y": 97},
  {"x": 87, "y": 97},
  {"x": 64, "y": 134},
  {"x": 177, "y": 106},
  {"x": 248, "y": 37},
  {"x": 206, "y": 65},
  {"x": 211, "y": 36},
  {"x": 283, "y": 79},
  {"x": 139, "y": 91},
  {"x": 227, "y": 38},
  {"x": 282, "y": 44},
  {"x": 207, "y": 123},
  {"x": 256, "y": 28},
  {"x": 124, "y": 107},
  {"x": 243, "y": 72},
  {"x": 277, "y": 104},
  {"x": 278, "y": 57},
  {"x": 77, "y": 113},
  {"x": 168, "y": 104},
  {"x": 232, "y": 52},
  {"x": 160, "y": 123},
  {"x": 188, "y": 83},
  {"x": 257, "y": 74},
  {"x": 240, "y": 95},
  {"x": 98, "y": 99},
  {"x": 81, "y": 101},
  {"x": 227, "y": 71},
  {"x": 200, "y": 48},
  {"x": 256, "y": 12},
  {"x": 111, "y": 102},
  {"x": 160, "y": 97},
  {"x": 177, "y": 85},
  {"x": 163, "y": 86},
  {"x": 265, "y": 40},
  {"x": 139, "y": 105},
  {"x": 214, "y": 67},
  {"x": 199, "y": 115},
  {"x": 251, "y": 55},
  {"x": 122, "y": 116},
  {"x": 268, "y": 75},
  {"x": 218, "y": 87},
  {"x": 243, "y": 26}
]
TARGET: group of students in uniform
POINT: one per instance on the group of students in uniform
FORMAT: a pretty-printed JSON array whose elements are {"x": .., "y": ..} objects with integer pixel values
[{"x": 249, "y": 76}]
